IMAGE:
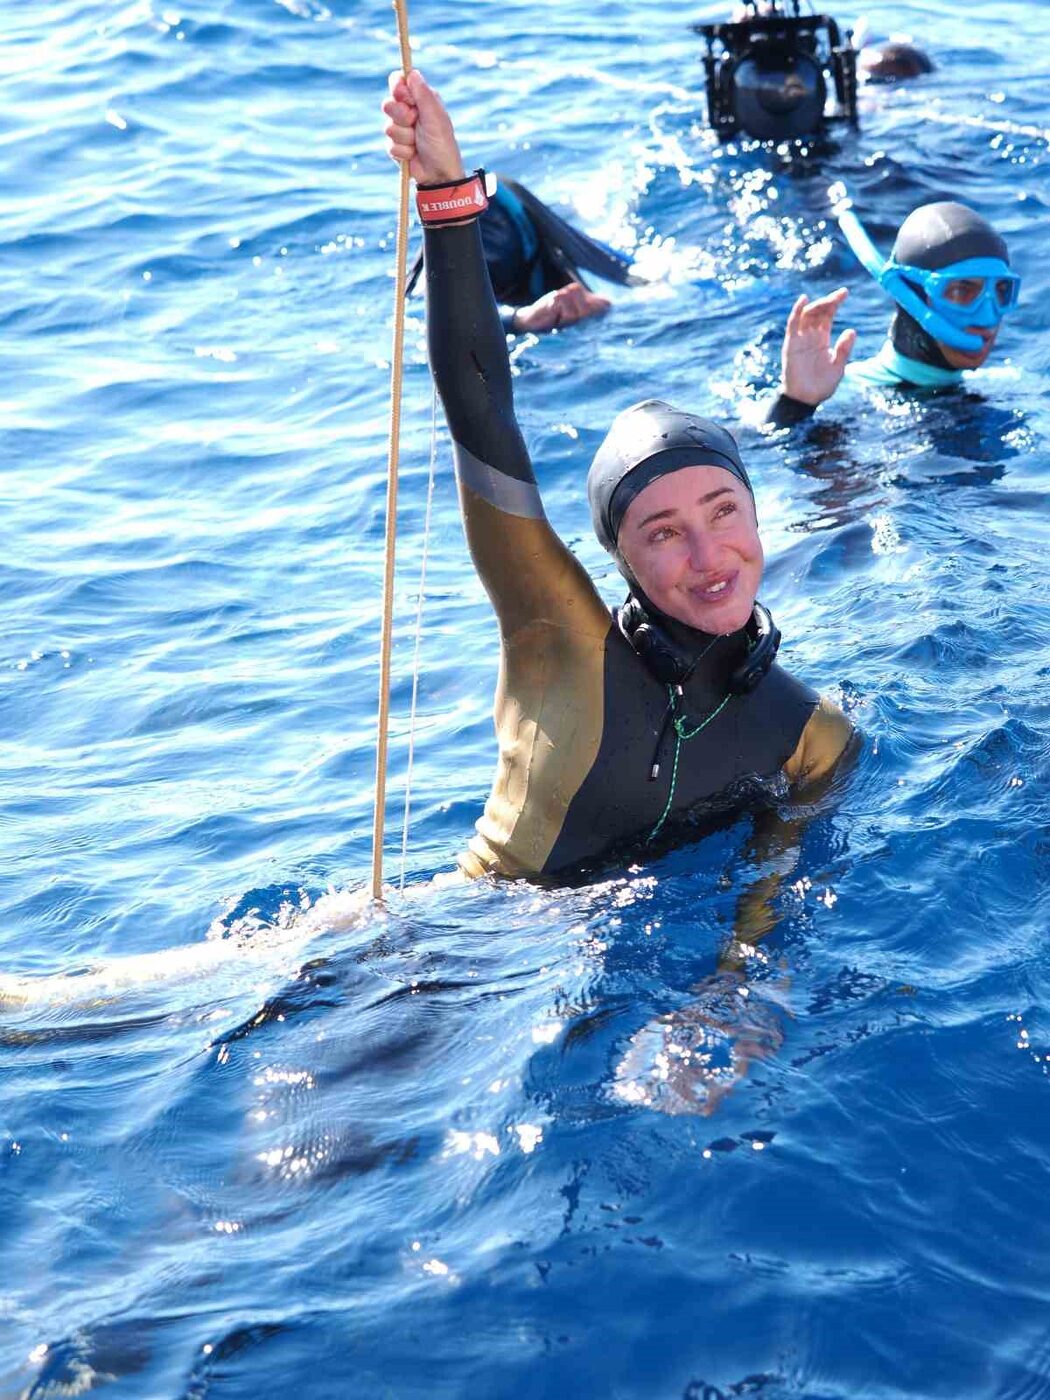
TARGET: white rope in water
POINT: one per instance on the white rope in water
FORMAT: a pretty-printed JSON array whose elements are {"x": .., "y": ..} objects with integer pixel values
[
  {"x": 386, "y": 636},
  {"x": 419, "y": 635}
]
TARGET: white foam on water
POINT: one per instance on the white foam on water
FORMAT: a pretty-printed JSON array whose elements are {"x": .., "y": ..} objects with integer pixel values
[{"x": 249, "y": 948}]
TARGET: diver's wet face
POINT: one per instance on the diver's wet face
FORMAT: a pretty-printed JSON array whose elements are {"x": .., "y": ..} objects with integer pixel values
[{"x": 690, "y": 538}]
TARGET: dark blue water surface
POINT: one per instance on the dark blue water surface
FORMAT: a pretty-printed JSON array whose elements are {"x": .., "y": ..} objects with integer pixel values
[{"x": 327, "y": 1154}]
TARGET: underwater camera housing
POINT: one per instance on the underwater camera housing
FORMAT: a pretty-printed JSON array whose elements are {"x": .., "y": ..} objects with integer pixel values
[{"x": 768, "y": 73}]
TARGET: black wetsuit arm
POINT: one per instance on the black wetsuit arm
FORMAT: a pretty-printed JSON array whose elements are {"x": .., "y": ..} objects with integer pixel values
[
  {"x": 468, "y": 354},
  {"x": 526, "y": 569},
  {"x": 785, "y": 412}
]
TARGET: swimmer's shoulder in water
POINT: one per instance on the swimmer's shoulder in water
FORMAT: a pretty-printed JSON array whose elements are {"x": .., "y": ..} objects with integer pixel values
[{"x": 273, "y": 948}]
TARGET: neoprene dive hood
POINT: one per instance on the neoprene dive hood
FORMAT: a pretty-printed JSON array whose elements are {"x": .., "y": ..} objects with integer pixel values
[{"x": 646, "y": 441}]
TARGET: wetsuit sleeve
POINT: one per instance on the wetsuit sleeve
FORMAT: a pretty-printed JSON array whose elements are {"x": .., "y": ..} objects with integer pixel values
[
  {"x": 528, "y": 572},
  {"x": 506, "y": 319},
  {"x": 826, "y": 737},
  {"x": 785, "y": 412}
]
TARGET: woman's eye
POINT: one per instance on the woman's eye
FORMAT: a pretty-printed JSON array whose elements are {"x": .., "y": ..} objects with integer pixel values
[
  {"x": 726, "y": 508},
  {"x": 658, "y": 536}
]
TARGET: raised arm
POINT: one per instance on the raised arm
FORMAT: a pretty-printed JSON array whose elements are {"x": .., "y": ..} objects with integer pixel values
[
  {"x": 811, "y": 368},
  {"x": 528, "y": 572}
]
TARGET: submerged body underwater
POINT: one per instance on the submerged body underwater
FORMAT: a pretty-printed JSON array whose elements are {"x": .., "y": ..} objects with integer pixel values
[{"x": 430, "y": 1149}]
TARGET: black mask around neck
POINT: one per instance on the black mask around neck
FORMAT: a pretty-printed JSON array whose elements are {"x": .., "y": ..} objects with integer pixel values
[{"x": 673, "y": 651}]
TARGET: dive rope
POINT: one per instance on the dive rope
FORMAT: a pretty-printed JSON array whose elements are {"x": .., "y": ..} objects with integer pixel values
[{"x": 396, "y": 363}]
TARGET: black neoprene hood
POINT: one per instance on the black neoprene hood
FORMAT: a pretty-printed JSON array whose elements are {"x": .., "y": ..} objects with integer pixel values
[
  {"x": 646, "y": 441},
  {"x": 938, "y": 235}
]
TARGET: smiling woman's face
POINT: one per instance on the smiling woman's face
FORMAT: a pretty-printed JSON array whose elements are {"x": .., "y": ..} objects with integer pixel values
[{"x": 691, "y": 540}]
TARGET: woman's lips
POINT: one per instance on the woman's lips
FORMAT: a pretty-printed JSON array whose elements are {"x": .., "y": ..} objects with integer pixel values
[{"x": 716, "y": 591}]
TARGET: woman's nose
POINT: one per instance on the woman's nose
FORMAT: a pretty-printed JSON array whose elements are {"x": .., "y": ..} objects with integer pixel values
[{"x": 703, "y": 552}]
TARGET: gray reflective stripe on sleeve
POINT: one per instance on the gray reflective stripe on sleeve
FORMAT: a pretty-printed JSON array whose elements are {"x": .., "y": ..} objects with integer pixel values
[{"x": 502, "y": 491}]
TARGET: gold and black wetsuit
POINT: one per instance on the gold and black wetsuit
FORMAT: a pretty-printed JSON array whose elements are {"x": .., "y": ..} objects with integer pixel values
[{"x": 578, "y": 715}]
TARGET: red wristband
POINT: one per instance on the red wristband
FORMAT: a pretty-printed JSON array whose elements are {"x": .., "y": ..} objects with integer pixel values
[{"x": 454, "y": 202}]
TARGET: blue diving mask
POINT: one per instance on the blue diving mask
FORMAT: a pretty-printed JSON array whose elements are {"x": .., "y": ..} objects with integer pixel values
[{"x": 975, "y": 292}]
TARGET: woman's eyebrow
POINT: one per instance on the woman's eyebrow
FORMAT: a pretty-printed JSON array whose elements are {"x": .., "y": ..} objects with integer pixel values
[{"x": 672, "y": 510}]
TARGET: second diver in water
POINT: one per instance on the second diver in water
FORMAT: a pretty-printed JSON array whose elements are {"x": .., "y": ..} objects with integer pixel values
[
  {"x": 950, "y": 277},
  {"x": 536, "y": 261}
]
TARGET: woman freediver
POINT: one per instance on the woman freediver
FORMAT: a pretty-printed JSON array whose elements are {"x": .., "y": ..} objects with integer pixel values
[
  {"x": 614, "y": 727},
  {"x": 610, "y": 725}
]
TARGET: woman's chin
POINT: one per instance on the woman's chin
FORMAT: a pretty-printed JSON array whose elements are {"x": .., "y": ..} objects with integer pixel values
[{"x": 723, "y": 626}]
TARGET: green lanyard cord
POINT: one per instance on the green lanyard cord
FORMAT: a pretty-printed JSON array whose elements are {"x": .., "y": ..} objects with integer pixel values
[{"x": 682, "y": 735}]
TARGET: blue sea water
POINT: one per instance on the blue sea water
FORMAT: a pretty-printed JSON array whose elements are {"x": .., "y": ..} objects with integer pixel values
[{"x": 381, "y": 1154}]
